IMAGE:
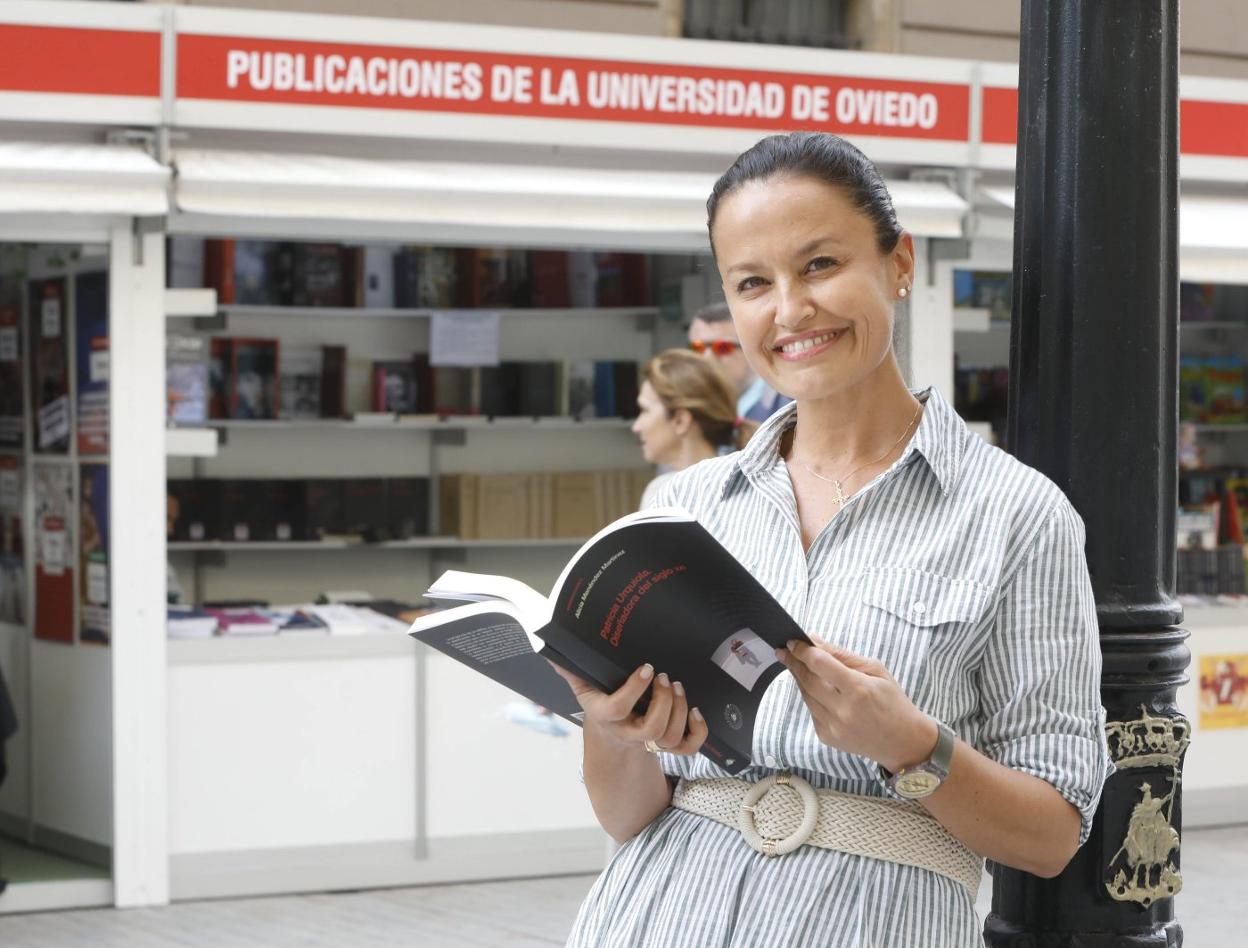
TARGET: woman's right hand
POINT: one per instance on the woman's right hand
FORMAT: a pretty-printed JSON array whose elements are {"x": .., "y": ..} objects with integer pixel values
[{"x": 667, "y": 721}]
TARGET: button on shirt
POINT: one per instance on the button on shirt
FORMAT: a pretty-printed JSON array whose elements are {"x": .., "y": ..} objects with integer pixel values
[{"x": 959, "y": 568}]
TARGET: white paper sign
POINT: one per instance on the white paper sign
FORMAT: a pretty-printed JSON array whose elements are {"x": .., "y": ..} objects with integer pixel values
[
  {"x": 54, "y": 422},
  {"x": 99, "y": 366},
  {"x": 97, "y": 584},
  {"x": 464, "y": 338},
  {"x": 53, "y": 550},
  {"x": 50, "y": 312},
  {"x": 8, "y": 344}
]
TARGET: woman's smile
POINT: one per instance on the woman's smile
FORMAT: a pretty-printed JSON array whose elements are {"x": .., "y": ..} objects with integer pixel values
[{"x": 807, "y": 345}]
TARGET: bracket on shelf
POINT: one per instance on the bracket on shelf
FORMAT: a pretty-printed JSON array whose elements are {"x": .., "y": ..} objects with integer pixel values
[{"x": 455, "y": 438}]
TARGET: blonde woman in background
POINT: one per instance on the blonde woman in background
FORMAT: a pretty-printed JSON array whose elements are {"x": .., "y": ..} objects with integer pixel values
[{"x": 688, "y": 413}]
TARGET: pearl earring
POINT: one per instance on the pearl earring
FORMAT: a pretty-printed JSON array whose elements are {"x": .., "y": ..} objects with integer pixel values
[{"x": 902, "y": 292}]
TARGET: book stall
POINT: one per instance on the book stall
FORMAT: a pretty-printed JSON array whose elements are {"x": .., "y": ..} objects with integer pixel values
[{"x": 379, "y": 292}]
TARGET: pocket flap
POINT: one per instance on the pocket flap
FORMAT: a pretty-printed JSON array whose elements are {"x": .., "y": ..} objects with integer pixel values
[{"x": 924, "y": 599}]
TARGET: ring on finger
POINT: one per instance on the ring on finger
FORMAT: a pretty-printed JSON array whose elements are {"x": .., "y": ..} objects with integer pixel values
[{"x": 652, "y": 747}]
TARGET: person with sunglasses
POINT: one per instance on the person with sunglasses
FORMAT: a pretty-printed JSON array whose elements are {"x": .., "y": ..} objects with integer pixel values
[{"x": 713, "y": 335}]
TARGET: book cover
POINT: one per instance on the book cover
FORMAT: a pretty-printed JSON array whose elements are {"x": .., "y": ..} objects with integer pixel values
[
  {"x": 219, "y": 269},
  {"x": 548, "y": 275},
  {"x": 95, "y": 617},
  {"x": 254, "y": 389},
  {"x": 220, "y": 376},
  {"x": 578, "y": 504},
  {"x": 244, "y": 512},
  {"x": 333, "y": 381},
  {"x": 285, "y": 519},
  {"x": 300, "y": 382},
  {"x": 457, "y": 510},
  {"x": 394, "y": 387},
  {"x": 320, "y": 275},
  {"x": 323, "y": 509},
  {"x": 627, "y": 388},
  {"x": 502, "y": 506},
  {"x": 539, "y": 389},
  {"x": 50, "y": 364},
  {"x": 374, "y": 281},
  {"x": 12, "y": 412},
  {"x": 1224, "y": 387},
  {"x": 258, "y": 277},
  {"x": 242, "y": 620},
  {"x": 55, "y": 583},
  {"x": 653, "y": 587},
  {"x": 193, "y": 510},
  {"x": 364, "y": 507},
  {"x": 582, "y": 279},
  {"x": 582, "y": 402},
  {"x": 186, "y": 378},
  {"x": 604, "y": 390},
  {"x": 92, "y": 361},
  {"x": 407, "y": 507},
  {"x": 189, "y": 622}
]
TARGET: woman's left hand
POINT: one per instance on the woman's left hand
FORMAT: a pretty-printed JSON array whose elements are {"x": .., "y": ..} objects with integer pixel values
[{"x": 857, "y": 706}]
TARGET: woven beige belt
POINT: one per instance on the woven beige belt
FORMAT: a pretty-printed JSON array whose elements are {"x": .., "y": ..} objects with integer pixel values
[{"x": 776, "y": 823}]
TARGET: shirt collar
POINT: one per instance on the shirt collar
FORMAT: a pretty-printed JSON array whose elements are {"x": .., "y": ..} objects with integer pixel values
[{"x": 939, "y": 440}]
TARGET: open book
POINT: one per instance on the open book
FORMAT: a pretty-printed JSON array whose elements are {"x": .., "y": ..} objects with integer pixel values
[{"x": 651, "y": 587}]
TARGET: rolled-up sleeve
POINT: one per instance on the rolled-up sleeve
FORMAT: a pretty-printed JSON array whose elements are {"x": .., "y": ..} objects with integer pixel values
[{"x": 1041, "y": 672}]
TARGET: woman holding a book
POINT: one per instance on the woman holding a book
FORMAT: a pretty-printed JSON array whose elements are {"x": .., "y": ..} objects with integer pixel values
[
  {"x": 686, "y": 413},
  {"x": 949, "y": 708}
]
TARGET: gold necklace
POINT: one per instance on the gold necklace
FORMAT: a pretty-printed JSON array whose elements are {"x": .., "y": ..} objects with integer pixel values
[{"x": 841, "y": 497}]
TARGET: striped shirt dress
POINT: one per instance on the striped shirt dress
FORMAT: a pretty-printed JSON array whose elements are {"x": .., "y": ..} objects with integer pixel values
[{"x": 963, "y": 571}]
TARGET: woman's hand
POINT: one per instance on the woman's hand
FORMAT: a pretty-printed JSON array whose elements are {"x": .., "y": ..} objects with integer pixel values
[
  {"x": 857, "y": 706},
  {"x": 667, "y": 721}
]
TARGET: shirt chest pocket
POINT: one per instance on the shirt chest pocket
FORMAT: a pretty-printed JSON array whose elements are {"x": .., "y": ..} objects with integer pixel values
[{"x": 914, "y": 622}]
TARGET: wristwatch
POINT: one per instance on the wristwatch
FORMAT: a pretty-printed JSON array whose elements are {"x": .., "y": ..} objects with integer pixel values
[{"x": 922, "y": 780}]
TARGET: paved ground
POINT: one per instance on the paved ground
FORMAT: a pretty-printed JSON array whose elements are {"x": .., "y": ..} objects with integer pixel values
[{"x": 533, "y": 913}]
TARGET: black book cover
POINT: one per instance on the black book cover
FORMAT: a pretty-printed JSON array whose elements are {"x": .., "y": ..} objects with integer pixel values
[
  {"x": 407, "y": 507},
  {"x": 321, "y": 276},
  {"x": 654, "y": 587},
  {"x": 333, "y": 381},
  {"x": 494, "y": 402},
  {"x": 627, "y": 388},
  {"x": 322, "y": 506},
  {"x": 364, "y": 507},
  {"x": 283, "y": 499},
  {"x": 539, "y": 389},
  {"x": 193, "y": 510},
  {"x": 245, "y": 515}
]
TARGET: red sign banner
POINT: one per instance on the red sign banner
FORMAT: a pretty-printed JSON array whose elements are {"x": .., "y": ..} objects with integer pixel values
[
  {"x": 1207, "y": 129},
  {"x": 79, "y": 61},
  {"x": 244, "y": 69}
]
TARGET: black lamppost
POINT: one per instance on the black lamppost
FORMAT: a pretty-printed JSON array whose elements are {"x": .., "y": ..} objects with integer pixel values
[{"x": 1093, "y": 389}]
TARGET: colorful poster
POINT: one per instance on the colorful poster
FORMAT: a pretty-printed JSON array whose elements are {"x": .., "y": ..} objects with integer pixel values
[
  {"x": 1223, "y": 691},
  {"x": 54, "y": 568},
  {"x": 49, "y": 365},
  {"x": 96, "y": 624},
  {"x": 92, "y": 359}
]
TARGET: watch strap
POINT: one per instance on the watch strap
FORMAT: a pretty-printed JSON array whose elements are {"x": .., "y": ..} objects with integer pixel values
[{"x": 938, "y": 762}]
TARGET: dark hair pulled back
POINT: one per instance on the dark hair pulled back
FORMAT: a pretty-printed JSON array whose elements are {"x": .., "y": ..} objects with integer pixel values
[{"x": 824, "y": 157}]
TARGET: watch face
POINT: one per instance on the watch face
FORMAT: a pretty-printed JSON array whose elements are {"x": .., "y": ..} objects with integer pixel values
[{"x": 916, "y": 783}]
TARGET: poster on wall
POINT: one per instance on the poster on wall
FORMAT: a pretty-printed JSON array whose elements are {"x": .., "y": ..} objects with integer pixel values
[
  {"x": 96, "y": 625},
  {"x": 11, "y": 282},
  {"x": 49, "y": 355},
  {"x": 1223, "y": 691},
  {"x": 92, "y": 359},
  {"x": 12, "y": 552},
  {"x": 54, "y": 568}
]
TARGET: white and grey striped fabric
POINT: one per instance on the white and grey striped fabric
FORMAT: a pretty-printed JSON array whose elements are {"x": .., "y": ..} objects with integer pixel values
[{"x": 963, "y": 571}]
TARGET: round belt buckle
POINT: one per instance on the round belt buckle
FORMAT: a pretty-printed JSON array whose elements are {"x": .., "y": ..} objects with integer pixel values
[{"x": 778, "y": 847}]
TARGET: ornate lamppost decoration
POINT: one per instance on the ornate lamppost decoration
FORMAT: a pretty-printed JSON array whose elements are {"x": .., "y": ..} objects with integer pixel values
[{"x": 1144, "y": 869}]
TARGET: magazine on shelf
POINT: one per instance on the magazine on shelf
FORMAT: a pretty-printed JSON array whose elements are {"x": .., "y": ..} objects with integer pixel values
[{"x": 651, "y": 587}]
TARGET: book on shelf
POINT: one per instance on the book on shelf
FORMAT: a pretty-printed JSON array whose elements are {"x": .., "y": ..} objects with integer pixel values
[
  {"x": 94, "y": 611},
  {"x": 322, "y": 274},
  {"x": 653, "y": 587},
  {"x": 426, "y": 277},
  {"x": 12, "y": 410},
  {"x": 334, "y": 382},
  {"x": 374, "y": 277},
  {"x": 457, "y": 510},
  {"x": 91, "y": 361},
  {"x": 323, "y": 508},
  {"x": 502, "y": 506},
  {"x": 189, "y": 622},
  {"x": 242, "y": 620},
  {"x": 395, "y": 387},
  {"x": 300, "y": 382},
  {"x": 50, "y": 364},
  {"x": 243, "y": 378},
  {"x": 407, "y": 507},
  {"x": 621, "y": 280},
  {"x": 193, "y": 510},
  {"x": 580, "y": 381},
  {"x": 548, "y": 279},
  {"x": 186, "y": 378},
  {"x": 364, "y": 507},
  {"x": 260, "y": 272}
]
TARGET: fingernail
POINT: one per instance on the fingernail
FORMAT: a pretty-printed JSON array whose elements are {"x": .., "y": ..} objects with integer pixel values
[
  {"x": 781, "y": 654},
  {"x": 679, "y": 689},
  {"x": 664, "y": 680},
  {"x": 696, "y": 714},
  {"x": 814, "y": 638},
  {"x": 647, "y": 672},
  {"x": 791, "y": 644}
]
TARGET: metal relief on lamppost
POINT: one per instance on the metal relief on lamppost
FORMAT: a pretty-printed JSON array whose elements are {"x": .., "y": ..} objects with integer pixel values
[{"x": 1144, "y": 868}]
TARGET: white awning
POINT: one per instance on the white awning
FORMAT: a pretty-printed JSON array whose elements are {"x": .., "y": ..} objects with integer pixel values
[
  {"x": 80, "y": 181},
  {"x": 280, "y": 194},
  {"x": 1213, "y": 236}
]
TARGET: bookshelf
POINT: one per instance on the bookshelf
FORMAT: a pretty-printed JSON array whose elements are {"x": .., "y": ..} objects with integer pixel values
[
  {"x": 232, "y": 310},
  {"x": 326, "y": 546}
]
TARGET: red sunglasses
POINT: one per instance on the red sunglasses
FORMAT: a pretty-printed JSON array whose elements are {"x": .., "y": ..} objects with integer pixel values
[{"x": 721, "y": 347}]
